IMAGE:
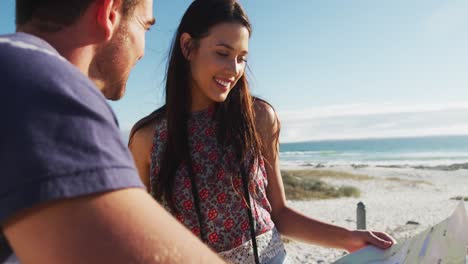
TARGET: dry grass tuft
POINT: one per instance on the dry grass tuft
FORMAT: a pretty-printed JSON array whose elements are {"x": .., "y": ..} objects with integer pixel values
[
  {"x": 460, "y": 198},
  {"x": 408, "y": 181},
  {"x": 306, "y": 185}
]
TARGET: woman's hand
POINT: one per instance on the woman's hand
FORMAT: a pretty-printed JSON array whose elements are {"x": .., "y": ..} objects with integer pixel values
[{"x": 361, "y": 238}]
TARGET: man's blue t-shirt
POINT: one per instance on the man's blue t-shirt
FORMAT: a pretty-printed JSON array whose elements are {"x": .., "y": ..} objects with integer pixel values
[{"x": 59, "y": 138}]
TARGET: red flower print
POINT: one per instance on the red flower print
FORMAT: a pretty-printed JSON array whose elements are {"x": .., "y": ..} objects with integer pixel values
[
  {"x": 221, "y": 173},
  {"x": 213, "y": 156},
  {"x": 260, "y": 183},
  {"x": 209, "y": 132},
  {"x": 187, "y": 183},
  {"x": 230, "y": 157},
  {"x": 265, "y": 202},
  {"x": 237, "y": 182},
  {"x": 221, "y": 197},
  {"x": 245, "y": 225},
  {"x": 188, "y": 205},
  {"x": 213, "y": 237},
  {"x": 197, "y": 168},
  {"x": 237, "y": 242},
  {"x": 196, "y": 230},
  {"x": 180, "y": 217},
  {"x": 192, "y": 130},
  {"x": 204, "y": 194},
  {"x": 228, "y": 224},
  {"x": 163, "y": 135},
  {"x": 212, "y": 214},
  {"x": 262, "y": 162},
  {"x": 198, "y": 147}
]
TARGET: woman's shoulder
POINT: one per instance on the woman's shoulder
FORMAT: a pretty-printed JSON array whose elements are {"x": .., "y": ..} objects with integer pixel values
[
  {"x": 145, "y": 128},
  {"x": 265, "y": 114}
]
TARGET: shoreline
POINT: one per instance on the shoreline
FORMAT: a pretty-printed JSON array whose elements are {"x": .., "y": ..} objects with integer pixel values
[{"x": 419, "y": 166}]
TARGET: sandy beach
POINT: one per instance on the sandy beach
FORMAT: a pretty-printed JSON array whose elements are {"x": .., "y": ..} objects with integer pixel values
[{"x": 400, "y": 201}]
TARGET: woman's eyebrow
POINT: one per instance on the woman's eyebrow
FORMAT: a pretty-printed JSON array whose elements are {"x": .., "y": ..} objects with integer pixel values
[{"x": 230, "y": 47}]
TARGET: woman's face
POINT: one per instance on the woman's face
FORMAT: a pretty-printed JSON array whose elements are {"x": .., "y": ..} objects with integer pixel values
[{"x": 217, "y": 63}]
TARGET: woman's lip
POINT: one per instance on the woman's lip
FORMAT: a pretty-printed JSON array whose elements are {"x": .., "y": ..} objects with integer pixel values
[
  {"x": 223, "y": 83},
  {"x": 222, "y": 86}
]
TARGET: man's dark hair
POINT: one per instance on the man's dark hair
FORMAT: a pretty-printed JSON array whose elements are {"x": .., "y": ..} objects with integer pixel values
[{"x": 52, "y": 15}]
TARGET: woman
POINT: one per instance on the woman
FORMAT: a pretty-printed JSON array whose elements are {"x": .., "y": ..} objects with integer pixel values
[{"x": 210, "y": 154}]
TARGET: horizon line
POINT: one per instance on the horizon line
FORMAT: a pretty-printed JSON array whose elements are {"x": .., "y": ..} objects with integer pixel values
[{"x": 376, "y": 137}]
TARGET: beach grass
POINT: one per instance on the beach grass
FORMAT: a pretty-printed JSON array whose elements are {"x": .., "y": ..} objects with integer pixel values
[
  {"x": 318, "y": 174},
  {"x": 306, "y": 184},
  {"x": 407, "y": 181},
  {"x": 460, "y": 198}
]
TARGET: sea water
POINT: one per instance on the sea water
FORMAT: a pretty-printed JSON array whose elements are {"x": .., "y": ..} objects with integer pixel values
[{"x": 397, "y": 152}]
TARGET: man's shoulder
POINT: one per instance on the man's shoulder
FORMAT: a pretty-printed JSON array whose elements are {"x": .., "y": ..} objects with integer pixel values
[
  {"x": 33, "y": 69},
  {"x": 28, "y": 54},
  {"x": 29, "y": 58},
  {"x": 26, "y": 43},
  {"x": 62, "y": 138}
]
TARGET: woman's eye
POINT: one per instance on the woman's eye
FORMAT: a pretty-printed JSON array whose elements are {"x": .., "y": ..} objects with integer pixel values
[{"x": 222, "y": 54}]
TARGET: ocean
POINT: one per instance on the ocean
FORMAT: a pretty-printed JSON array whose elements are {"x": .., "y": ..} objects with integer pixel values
[{"x": 394, "y": 152}]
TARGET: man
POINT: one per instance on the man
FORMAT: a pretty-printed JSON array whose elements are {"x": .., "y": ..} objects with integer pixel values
[{"x": 69, "y": 192}]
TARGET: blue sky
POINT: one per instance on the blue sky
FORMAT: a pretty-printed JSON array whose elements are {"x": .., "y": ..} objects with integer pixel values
[{"x": 333, "y": 69}]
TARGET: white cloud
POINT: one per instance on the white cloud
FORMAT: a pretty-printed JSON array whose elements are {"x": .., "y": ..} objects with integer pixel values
[
  {"x": 369, "y": 121},
  {"x": 373, "y": 120},
  {"x": 368, "y": 109}
]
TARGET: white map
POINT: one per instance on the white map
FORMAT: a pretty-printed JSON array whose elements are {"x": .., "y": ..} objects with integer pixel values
[{"x": 444, "y": 243}]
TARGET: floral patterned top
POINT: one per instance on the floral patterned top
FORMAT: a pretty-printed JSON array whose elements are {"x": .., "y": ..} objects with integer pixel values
[{"x": 223, "y": 210}]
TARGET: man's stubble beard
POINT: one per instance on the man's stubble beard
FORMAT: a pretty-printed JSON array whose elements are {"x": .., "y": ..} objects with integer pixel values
[{"x": 110, "y": 68}]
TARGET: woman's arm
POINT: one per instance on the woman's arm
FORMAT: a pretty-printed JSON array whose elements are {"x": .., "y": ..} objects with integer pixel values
[
  {"x": 140, "y": 145},
  {"x": 290, "y": 222}
]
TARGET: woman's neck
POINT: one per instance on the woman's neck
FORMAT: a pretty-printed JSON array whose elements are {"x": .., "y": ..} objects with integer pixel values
[{"x": 200, "y": 101}]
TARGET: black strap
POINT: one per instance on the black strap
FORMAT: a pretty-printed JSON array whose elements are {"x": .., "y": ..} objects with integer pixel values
[{"x": 245, "y": 183}]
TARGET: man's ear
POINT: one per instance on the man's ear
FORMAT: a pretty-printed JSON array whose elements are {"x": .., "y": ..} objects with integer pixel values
[
  {"x": 108, "y": 17},
  {"x": 186, "y": 45}
]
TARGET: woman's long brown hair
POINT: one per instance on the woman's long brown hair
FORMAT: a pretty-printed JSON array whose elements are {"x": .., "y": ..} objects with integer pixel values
[{"x": 235, "y": 116}]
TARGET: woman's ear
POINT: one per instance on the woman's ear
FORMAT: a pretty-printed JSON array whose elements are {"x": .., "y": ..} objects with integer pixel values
[{"x": 185, "y": 45}]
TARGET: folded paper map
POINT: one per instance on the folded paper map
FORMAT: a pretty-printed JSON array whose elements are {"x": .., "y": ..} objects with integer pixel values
[{"x": 444, "y": 243}]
